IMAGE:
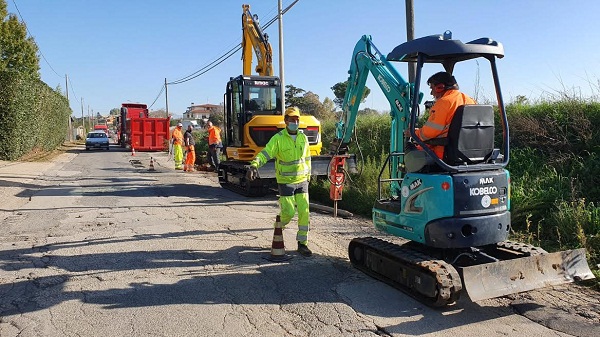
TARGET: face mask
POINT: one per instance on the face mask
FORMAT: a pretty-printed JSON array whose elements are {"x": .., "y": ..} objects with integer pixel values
[{"x": 293, "y": 126}]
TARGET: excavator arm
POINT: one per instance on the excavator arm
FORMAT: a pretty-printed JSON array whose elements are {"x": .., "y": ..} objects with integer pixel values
[
  {"x": 366, "y": 59},
  {"x": 254, "y": 39}
]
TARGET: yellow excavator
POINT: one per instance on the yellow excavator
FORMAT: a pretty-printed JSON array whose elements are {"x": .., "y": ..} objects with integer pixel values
[{"x": 253, "y": 114}]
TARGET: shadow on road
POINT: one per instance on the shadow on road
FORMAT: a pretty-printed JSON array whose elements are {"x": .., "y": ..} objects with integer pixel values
[{"x": 237, "y": 275}]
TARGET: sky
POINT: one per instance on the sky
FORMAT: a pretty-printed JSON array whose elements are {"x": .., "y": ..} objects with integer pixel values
[{"x": 116, "y": 51}]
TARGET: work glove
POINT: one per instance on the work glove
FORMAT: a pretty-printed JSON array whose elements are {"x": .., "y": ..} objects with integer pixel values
[{"x": 252, "y": 173}]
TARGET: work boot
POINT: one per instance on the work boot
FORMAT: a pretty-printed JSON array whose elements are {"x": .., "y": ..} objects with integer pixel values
[{"x": 303, "y": 250}]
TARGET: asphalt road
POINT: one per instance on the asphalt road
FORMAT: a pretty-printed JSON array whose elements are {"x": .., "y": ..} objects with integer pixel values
[{"x": 95, "y": 244}]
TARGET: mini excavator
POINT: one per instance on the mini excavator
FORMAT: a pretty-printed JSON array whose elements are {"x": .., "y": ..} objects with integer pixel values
[{"x": 454, "y": 211}]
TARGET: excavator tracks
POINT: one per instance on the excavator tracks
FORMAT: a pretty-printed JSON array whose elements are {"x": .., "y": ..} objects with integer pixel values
[
  {"x": 232, "y": 176},
  {"x": 433, "y": 282}
]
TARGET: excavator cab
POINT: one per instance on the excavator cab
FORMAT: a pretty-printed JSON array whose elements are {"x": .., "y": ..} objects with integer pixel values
[{"x": 251, "y": 100}]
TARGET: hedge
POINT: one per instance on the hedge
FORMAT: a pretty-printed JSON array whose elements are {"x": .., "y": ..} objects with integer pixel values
[{"x": 32, "y": 115}]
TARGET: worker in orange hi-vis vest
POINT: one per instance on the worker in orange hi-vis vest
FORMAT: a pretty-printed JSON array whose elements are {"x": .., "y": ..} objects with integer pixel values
[
  {"x": 190, "y": 147},
  {"x": 215, "y": 145},
  {"x": 447, "y": 99},
  {"x": 177, "y": 140}
]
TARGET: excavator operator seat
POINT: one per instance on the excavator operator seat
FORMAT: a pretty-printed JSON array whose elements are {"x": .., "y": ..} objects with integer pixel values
[{"x": 470, "y": 135}]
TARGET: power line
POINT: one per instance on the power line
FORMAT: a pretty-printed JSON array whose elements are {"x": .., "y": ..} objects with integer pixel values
[
  {"x": 210, "y": 66},
  {"x": 157, "y": 96},
  {"x": 39, "y": 49},
  {"x": 227, "y": 54},
  {"x": 72, "y": 90}
]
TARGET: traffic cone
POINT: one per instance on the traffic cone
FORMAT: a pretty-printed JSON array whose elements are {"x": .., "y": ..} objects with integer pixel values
[
  {"x": 151, "y": 168},
  {"x": 278, "y": 247},
  {"x": 132, "y": 151}
]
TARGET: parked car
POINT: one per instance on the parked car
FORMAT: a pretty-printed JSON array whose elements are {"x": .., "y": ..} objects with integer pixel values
[{"x": 96, "y": 140}]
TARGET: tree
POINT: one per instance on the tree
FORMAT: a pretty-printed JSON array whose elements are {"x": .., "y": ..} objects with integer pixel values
[
  {"x": 115, "y": 111},
  {"x": 216, "y": 119},
  {"x": 17, "y": 51},
  {"x": 521, "y": 100},
  {"x": 292, "y": 95},
  {"x": 309, "y": 104},
  {"x": 368, "y": 111},
  {"x": 339, "y": 91},
  {"x": 328, "y": 109},
  {"x": 160, "y": 113}
]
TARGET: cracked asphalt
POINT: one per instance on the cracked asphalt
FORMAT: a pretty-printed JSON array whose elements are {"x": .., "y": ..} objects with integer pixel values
[{"x": 93, "y": 244}]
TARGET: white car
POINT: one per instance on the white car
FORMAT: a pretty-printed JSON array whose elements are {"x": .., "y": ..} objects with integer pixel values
[{"x": 96, "y": 140}]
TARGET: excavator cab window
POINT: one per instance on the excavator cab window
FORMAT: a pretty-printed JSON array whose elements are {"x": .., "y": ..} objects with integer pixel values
[{"x": 261, "y": 98}]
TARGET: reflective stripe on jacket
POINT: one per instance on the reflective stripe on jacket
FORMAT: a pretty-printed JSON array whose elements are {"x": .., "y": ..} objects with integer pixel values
[{"x": 292, "y": 158}]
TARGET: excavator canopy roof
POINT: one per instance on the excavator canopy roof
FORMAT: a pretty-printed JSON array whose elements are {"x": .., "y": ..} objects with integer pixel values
[{"x": 442, "y": 49}]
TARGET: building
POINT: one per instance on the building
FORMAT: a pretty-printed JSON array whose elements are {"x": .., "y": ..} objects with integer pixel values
[{"x": 202, "y": 111}]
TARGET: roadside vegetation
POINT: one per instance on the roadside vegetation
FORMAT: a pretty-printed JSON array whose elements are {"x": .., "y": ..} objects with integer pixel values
[{"x": 33, "y": 116}]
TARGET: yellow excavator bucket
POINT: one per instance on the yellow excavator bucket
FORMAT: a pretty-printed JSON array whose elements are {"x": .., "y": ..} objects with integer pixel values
[{"x": 523, "y": 274}]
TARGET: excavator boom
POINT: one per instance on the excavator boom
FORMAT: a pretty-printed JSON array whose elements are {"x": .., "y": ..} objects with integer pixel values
[{"x": 253, "y": 39}]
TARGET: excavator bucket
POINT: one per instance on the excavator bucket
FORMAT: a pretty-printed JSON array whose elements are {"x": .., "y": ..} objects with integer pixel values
[{"x": 523, "y": 274}]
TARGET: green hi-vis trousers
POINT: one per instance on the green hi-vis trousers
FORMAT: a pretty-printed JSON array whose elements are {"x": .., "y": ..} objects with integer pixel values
[
  {"x": 178, "y": 156},
  {"x": 290, "y": 197}
]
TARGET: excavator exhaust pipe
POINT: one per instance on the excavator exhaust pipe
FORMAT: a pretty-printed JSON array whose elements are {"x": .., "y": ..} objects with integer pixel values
[{"x": 523, "y": 274}]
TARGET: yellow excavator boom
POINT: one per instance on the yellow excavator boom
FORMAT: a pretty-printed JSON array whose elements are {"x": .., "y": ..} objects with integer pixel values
[{"x": 254, "y": 39}]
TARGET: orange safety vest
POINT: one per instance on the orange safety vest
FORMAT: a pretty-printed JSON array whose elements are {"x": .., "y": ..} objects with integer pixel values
[
  {"x": 440, "y": 116},
  {"x": 177, "y": 137},
  {"x": 214, "y": 135}
]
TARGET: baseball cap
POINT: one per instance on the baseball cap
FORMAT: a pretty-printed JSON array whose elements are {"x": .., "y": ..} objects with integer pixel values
[{"x": 292, "y": 111}]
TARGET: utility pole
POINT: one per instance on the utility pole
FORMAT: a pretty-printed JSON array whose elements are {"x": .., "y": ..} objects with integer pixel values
[
  {"x": 70, "y": 127},
  {"x": 410, "y": 35},
  {"x": 82, "y": 118},
  {"x": 166, "y": 98},
  {"x": 281, "y": 75}
]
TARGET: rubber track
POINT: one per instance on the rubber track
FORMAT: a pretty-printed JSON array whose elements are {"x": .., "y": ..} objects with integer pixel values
[
  {"x": 448, "y": 282},
  {"x": 256, "y": 188}
]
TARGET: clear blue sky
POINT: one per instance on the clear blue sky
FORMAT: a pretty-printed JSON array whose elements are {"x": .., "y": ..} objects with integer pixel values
[{"x": 116, "y": 51}]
